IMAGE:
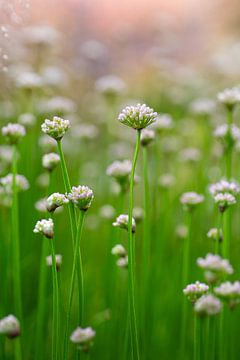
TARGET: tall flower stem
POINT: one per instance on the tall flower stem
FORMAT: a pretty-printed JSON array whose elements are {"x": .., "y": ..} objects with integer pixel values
[
  {"x": 219, "y": 239},
  {"x": 16, "y": 250},
  {"x": 55, "y": 327},
  {"x": 41, "y": 294},
  {"x": 185, "y": 276},
  {"x": 196, "y": 339},
  {"x": 229, "y": 146},
  {"x": 74, "y": 269},
  {"x": 131, "y": 262}
]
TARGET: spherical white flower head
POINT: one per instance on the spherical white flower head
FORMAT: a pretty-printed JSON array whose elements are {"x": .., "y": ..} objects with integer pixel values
[
  {"x": 55, "y": 128},
  {"x": 45, "y": 227},
  {"x": 229, "y": 97},
  {"x": 203, "y": 106},
  {"x": 190, "y": 155},
  {"x": 138, "y": 117},
  {"x": 81, "y": 196},
  {"x": 118, "y": 250},
  {"x": 10, "y": 326},
  {"x": 215, "y": 264},
  {"x": 107, "y": 212},
  {"x": 6, "y": 154},
  {"x": 207, "y": 305},
  {"x": 227, "y": 132},
  {"x": 110, "y": 85},
  {"x": 58, "y": 259},
  {"x": 224, "y": 186},
  {"x": 196, "y": 290},
  {"x": 43, "y": 35},
  {"x": 228, "y": 291},
  {"x": 190, "y": 200},
  {"x": 83, "y": 337},
  {"x": 162, "y": 122},
  {"x": 120, "y": 171},
  {"x": 13, "y": 132},
  {"x": 122, "y": 222},
  {"x": 29, "y": 80},
  {"x": 167, "y": 181},
  {"x": 46, "y": 143},
  {"x": 122, "y": 262},
  {"x": 41, "y": 205},
  {"x": 213, "y": 234},
  {"x": 50, "y": 161},
  {"x": 224, "y": 201},
  {"x": 27, "y": 119},
  {"x": 55, "y": 200},
  {"x": 147, "y": 137},
  {"x": 6, "y": 182}
]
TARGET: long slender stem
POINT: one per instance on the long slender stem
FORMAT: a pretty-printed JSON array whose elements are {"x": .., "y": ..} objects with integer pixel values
[
  {"x": 16, "y": 250},
  {"x": 74, "y": 269},
  {"x": 185, "y": 276},
  {"x": 229, "y": 146},
  {"x": 196, "y": 338},
  {"x": 55, "y": 328},
  {"x": 131, "y": 264}
]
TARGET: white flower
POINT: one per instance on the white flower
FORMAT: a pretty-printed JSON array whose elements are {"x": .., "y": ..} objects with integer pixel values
[
  {"x": 83, "y": 337},
  {"x": 10, "y": 326},
  {"x": 120, "y": 171},
  {"x": 6, "y": 154},
  {"x": 85, "y": 131},
  {"x": 138, "y": 214},
  {"x": 166, "y": 181},
  {"x": 229, "y": 97},
  {"x": 45, "y": 227},
  {"x": 224, "y": 186},
  {"x": 138, "y": 117},
  {"x": 207, "y": 305},
  {"x": 224, "y": 131},
  {"x": 228, "y": 290},
  {"x": 147, "y": 136},
  {"x": 122, "y": 222},
  {"x": 41, "y": 205},
  {"x": 57, "y": 105},
  {"x": 181, "y": 231},
  {"x": 81, "y": 196},
  {"x": 194, "y": 291},
  {"x": 110, "y": 85},
  {"x": 55, "y": 200},
  {"x": 28, "y": 80},
  {"x": 190, "y": 200},
  {"x": 55, "y": 128},
  {"x": 50, "y": 161},
  {"x": 13, "y": 132},
  {"x": 118, "y": 250},
  {"x": 163, "y": 122},
  {"x": 58, "y": 259},
  {"x": 213, "y": 233},
  {"x": 203, "y": 106},
  {"x": 6, "y": 182},
  {"x": 215, "y": 264},
  {"x": 122, "y": 262},
  {"x": 42, "y": 35},
  {"x": 190, "y": 154},
  {"x": 224, "y": 201},
  {"x": 107, "y": 212},
  {"x": 27, "y": 119}
]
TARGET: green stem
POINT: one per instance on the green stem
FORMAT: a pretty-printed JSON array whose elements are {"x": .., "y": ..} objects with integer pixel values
[
  {"x": 185, "y": 278},
  {"x": 74, "y": 269},
  {"x": 16, "y": 250},
  {"x": 131, "y": 263},
  {"x": 219, "y": 239},
  {"x": 229, "y": 145},
  {"x": 196, "y": 338},
  {"x": 55, "y": 327}
]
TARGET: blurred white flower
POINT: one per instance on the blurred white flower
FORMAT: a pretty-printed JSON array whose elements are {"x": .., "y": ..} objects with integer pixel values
[
  {"x": 122, "y": 222},
  {"x": 10, "y": 326},
  {"x": 207, "y": 305},
  {"x": 194, "y": 291}
]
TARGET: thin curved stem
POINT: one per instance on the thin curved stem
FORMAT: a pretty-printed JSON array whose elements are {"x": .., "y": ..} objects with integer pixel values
[
  {"x": 74, "y": 269},
  {"x": 131, "y": 263},
  {"x": 16, "y": 249}
]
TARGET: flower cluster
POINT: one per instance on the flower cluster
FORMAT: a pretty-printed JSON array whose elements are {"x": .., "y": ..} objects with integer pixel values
[
  {"x": 229, "y": 97},
  {"x": 196, "y": 290},
  {"x": 58, "y": 259},
  {"x": 50, "y": 161},
  {"x": 163, "y": 122},
  {"x": 227, "y": 133},
  {"x": 83, "y": 337},
  {"x": 55, "y": 200},
  {"x": 138, "y": 117},
  {"x": 120, "y": 251},
  {"x": 120, "y": 171},
  {"x": 10, "y": 326},
  {"x": 224, "y": 186},
  {"x": 224, "y": 201},
  {"x": 230, "y": 292},
  {"x": 45, "y": 227},
  {"x": 122, "y": 222},
  {"x": 81, "y": 196},
  {"x": 215, "y": 267},
  {"x": 207, "y": 305},
  {"x": 55, "y": 128},
  {"x": 147, "y": 136},
  {"x": 13, "y": 132},
  {"x": 190, "y": 200},
  {"x": 6, "y": 182}
]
